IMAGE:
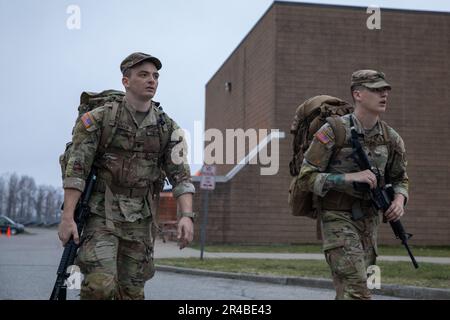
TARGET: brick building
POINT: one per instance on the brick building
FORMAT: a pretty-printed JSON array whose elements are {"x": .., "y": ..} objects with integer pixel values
[
  {"x": 167, "y": 207},
  {"x": 297, "y": 51}
]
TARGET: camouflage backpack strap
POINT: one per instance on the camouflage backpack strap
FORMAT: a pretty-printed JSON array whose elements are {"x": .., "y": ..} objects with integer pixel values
[
  {"x": 389, "y": 143},
  {"x": 108, "y": 131},
  {"x": 111, "y": 115},
  {"x": 339, "y": 131},
  {"x": 163, "y": 123},
  {"x": 386, "y": 135}
]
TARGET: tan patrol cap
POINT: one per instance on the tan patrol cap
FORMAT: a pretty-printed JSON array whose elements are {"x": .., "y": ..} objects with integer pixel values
[
  {"x": 138, "y": 57},
  {"x": 370, "y": 79}
]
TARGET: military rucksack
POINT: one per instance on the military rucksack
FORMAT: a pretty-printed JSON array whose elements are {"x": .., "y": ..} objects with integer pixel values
[
  {"x": 309, "y": 118},
  {"x": 88, "y": 102},
  {"x": 111, "y": 100}
]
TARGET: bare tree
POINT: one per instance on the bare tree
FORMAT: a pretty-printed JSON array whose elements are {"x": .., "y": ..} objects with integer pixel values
[
  {"x": 23, "y": 201},
  {"x": 21, "y": 198},
  {"x": 2, "y": 195},
  {"x": 59, "y": 202},
  {"x": 49, "y": 203},
  {"x": 26, "y": 196},
  {"x": 11, "y": 202},
  {"x": 40, "y": 198},
  {"x": 30, "y": 206}
]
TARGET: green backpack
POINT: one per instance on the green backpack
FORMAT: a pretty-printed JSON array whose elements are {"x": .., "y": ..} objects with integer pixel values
[
  {"x": 88, "y": 102},
  {"x": 309, "y": 118},
  {"x": 112, "y": 99}
]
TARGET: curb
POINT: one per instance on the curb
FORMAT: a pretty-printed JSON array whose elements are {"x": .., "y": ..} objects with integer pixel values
[{"x": 408, "y": 292}]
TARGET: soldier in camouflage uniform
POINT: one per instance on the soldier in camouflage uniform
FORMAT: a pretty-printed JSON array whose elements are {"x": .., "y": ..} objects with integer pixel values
[
  {"x": 350, "y": 244},
  {"x": 116, "y": 255}
]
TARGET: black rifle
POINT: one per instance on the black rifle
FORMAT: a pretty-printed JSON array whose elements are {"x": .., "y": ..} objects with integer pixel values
[
  {"x": 381, "y": 197},
  {"x": 81, "y": 214}
]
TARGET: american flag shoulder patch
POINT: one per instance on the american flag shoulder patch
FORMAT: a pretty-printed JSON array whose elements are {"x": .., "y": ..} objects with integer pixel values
[
  {"x": 325, "y": 136},
  {"x": 88, "y": 120}
]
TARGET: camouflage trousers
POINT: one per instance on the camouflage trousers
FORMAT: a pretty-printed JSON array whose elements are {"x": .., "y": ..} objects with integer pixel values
[
  {"x": 115, "y": 261},
  {"x": 350, "y": 247}
]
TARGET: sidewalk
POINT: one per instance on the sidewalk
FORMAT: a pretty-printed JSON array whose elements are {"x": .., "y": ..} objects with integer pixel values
[{"x": 170, "y": 250}]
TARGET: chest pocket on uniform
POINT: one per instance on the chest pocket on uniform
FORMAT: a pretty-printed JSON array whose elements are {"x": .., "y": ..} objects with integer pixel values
[
  {"x": 152, "y": 143},
  {"x": 125, "y": 137}
]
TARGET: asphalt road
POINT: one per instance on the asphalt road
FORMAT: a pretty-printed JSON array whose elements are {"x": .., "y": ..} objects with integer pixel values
[{"x": 28, "y": 264}]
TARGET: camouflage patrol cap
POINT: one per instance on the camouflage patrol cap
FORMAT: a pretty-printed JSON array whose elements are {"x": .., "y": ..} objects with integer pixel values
[
  {"x": 370, "y": 79},
  {"x": 138, "y": 57}
]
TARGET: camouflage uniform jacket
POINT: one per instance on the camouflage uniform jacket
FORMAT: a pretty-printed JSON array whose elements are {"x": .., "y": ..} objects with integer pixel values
[
  {"x": 324, "y": 167},
  {"x": 133, "y": 159}
]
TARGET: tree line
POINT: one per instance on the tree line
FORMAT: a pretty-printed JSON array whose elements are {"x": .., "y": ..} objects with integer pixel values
[{"x": 25, "y": 202}]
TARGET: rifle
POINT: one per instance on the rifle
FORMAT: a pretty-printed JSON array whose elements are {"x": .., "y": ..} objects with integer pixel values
[
  {"x": 81, "y": 214},
  {"x": 381, "y": 197}
]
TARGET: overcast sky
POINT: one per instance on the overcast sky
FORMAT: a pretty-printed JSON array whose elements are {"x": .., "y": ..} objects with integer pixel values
[{"x": 45, "y": 66}]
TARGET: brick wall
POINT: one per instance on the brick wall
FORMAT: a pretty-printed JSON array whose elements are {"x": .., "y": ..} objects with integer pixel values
[
  {"x": 297, "y": 51},
  {"x": 167, "y": 207},
  {"x": 251, "y": 71}
]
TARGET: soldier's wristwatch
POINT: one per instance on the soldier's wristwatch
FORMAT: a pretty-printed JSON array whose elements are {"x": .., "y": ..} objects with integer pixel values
[{"x": 191, "y": 215}]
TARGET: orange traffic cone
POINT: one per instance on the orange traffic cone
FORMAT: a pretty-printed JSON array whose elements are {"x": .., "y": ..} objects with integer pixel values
[{"x": 8, "y": 232}]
